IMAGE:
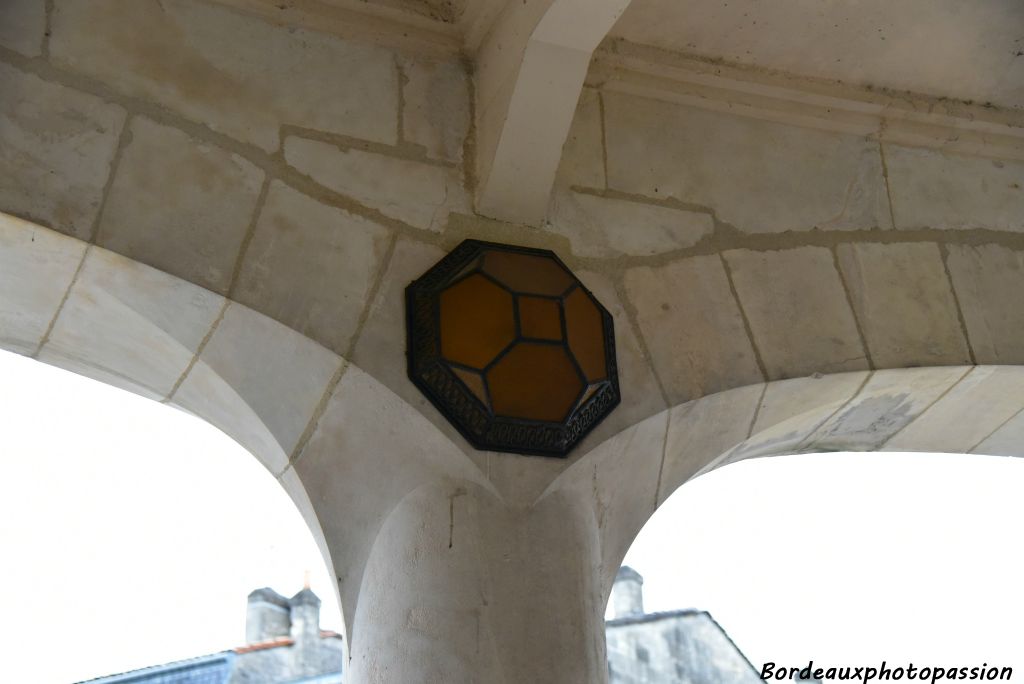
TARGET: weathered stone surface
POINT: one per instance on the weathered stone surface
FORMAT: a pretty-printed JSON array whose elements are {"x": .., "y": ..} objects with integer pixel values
[
  {"x": 931, "y": 189},
  {"x": 792, "y": 410},
  {"x": 212, "y": 398},
  {"x": 582, "y": 162},
  {"x": 625, "y": 470},
  {"x": 989, "y": 282},
  {"x": 22, "y": 23},
  {"x": 889, "y": 401},
  {"x": 692, "y": 327},
  {"x": 606, "y": 227},
  {"x": 380, "y": 350},
  {"x": 179, "y": 205},
  {"x": 290, "y": 482},
  {"x": 797, "y": 310},
  {"x": 36, "y": 267},
  {"x": 967, "y": 414},
  {"x": 759, "y": 176},
  {"x": 311, "y": 266},
  {"x": 903, "y": 301},
  {"x": 275, "y": 370},
  {"x": 641, "y": 396},
  {"x": 360, "y": 455},
  {"x": 702, "y": 432},
  {"x": 788, "y": 399},
  {"x": 176, "y": 53},
  {"x": 1005, "y": 441},
  {"x": 416, "y": 193},
  {"x": 56, "y": 147},
  {"x": 521, "y": 481},
  {"x": 437, "y": 109},
  {"x": 130, "y": 325}
]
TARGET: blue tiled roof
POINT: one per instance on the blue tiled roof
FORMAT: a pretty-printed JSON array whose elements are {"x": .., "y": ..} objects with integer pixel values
[{"x": 210, "y": 669}]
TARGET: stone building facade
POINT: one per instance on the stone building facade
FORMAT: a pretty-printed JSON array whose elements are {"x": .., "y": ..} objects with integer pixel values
[
  {"x": 284, "y": 645},
  {"x": 673, "y": 647}
]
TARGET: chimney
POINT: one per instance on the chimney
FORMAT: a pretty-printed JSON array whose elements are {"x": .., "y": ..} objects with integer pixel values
[
  {"x": 267, "y": 617},
  {"x": 627, "y": 594},
  {"x": 305, "y": 630}
]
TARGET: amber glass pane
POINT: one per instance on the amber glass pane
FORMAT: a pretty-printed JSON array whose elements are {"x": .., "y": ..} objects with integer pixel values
[
  {"x": 528, "y": 273},
  {"x": 477, "y": 321},
  {"x": 534, "y": 381},
  {"x": 475, "y": 383},
  {"x": 585, "y": 328},
  {"x": 540, "y": 318}
]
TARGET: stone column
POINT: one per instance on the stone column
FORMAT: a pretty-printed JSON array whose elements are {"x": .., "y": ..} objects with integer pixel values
[{"x": 460, "y": 587}]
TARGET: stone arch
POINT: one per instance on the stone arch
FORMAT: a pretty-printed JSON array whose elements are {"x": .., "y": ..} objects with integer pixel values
[
  {"x": 954, "y": 409},
  {"x": 274, "y": 391}
]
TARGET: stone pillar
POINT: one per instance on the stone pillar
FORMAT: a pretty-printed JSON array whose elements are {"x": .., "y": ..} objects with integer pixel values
[{"x": 460, "y": 587}]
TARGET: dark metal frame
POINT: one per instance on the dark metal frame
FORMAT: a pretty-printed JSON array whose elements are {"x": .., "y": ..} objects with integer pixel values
[{"x": 481, "y": 427}]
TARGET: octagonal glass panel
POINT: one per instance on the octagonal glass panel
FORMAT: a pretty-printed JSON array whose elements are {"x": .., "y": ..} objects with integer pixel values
[{"x": 511, "y": 348}]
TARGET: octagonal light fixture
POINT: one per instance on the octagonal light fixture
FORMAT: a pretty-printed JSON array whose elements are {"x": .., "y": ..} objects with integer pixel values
[{"x": 515, "y": 352}]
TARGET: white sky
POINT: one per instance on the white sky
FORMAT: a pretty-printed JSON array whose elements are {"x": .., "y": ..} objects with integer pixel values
[{"x": 132, "y": 533}]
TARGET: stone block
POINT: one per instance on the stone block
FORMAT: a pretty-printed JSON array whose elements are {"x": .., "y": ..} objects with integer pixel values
[
  {"x": 210, "y": 397},
  {"x": 889, "y": 401},
  {"x": 22, "y": 24},
  {"x": 798, "y": 311},
  {"x": 702, "y": 432},
  {"x": 36, "y": 268},
  {"x": 931, "y": 189},
  {"x": 311, "y": 266},
  {"x": 279, "y": 373},
  {"x": 788, "y": 399},
  {"x": 174, "y": 52},
  {"x": 616, "y": 476},
  {"x": 292, "y": 485},
  {"x": 413, "y": 192},
  {"x": 790, "y": 412},
  {"x": 437, "y": 108},
  {"x": 759, "y": 176},
  {"x": 130, "y": 325},
  {"x": 582, "y": 162},
  {"x": 641, "y": 396},
  {"x": 962, "y": 419},
  {"x": 56, "y": 148},
  {"x": 179, "y": 205},
  {"x": 1007, "y": 440},
  {"x": 522, "y": 481},
  {"x": 989, "y": 282},
  {"x": 904, "y": 303},
  {"x": 692, "y": 326},
  {"x": 380, "y": 350},
  {"x": 356, "y": 468},
  {"x": 607, "y": 227}
]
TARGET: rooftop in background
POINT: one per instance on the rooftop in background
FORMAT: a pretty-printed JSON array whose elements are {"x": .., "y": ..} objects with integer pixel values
[
  {"x": 285, "y": 646},
  {"x": 672, "y": 647}
]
